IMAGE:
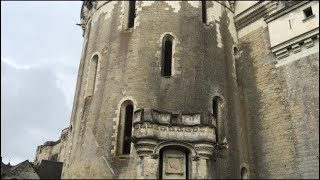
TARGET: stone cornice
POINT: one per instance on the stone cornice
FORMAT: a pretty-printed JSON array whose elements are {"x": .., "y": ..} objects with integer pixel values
[
  {"x": 298, "y": 39},
  {"x": 257, "y": 11},
  {"x": 294, "y": 45},
  {"x": 284, "y": 11}
]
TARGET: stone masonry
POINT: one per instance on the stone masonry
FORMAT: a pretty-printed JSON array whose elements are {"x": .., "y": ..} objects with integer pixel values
[{"x": 241, "y": 99}]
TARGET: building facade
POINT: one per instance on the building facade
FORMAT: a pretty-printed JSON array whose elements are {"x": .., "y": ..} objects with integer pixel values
[{"x": 195, "y": 89}]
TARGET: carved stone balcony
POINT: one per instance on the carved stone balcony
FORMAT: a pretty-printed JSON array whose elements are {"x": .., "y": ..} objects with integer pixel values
[{"x": 153, "y": 127}]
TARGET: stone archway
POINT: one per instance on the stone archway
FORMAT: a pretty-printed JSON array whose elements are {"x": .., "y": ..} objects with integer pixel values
[{"x": 193, "y": 152}]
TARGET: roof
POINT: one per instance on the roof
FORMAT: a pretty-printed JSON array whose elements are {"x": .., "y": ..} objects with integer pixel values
[{"x": 23, "y": 170}]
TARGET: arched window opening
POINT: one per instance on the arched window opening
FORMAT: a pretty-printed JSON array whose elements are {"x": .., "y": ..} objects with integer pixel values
[
  {"x": 204, "y": 11},
  {"x": 167, "y": 56},
  {"x": 235, "y": 53},
  {"x": 92, "y": 75},
  {"x": 216, "y": 112},
  {"x": 125, "y": 128},
  {"x": 244, "y": 173},
  {"x": 132, "y": 13}
]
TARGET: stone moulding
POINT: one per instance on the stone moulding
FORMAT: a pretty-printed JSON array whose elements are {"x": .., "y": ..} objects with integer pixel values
[
  {"x": 257, "y": 11},
  {"x": 284, "y": 11},
  {"x": 163, "y": 132},
  {"x": 153, "y": 128},
  {"x": 193, "y": 151},
  {"x": 307, "y": 39},
  {"x": 161, "y": 117}
]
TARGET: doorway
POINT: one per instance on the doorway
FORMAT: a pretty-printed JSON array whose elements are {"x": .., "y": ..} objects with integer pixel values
[{"x": 174, "y": 163}]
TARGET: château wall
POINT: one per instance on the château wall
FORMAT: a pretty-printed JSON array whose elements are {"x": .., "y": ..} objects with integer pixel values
[
  {"x": 280, "y": 100},
  {"x": 129, "y": 68}
]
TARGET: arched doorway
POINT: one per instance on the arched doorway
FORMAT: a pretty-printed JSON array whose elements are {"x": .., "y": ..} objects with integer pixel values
[{"x": 174, "y": 163}]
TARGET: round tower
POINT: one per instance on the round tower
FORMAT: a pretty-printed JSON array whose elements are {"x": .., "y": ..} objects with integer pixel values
[{"x": 156, "y": 95}]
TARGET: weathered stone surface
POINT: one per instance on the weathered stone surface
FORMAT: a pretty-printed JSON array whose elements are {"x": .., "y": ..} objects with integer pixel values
[{"x": 265, "y": 124}]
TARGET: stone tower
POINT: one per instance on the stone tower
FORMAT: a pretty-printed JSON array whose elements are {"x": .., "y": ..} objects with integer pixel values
[
  {"x": 156, "y": 95},
  {"x": 194, "y": 89}
]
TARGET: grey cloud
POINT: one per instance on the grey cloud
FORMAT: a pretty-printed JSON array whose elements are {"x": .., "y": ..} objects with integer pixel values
[
  {"x": 32, "y": 102},
  {"x": 41, "y": 48}
]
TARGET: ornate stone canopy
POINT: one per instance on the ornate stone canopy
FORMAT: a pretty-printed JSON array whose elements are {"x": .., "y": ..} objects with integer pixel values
[{"x": 155, "y": 129}]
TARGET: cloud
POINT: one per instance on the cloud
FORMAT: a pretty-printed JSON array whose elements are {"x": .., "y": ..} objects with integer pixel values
[
  {"x": 14, "y": 64},
  {"x": 36, "y": 105},
  {"x": 66, "y": 82},
  {"x": 40, "y": 53}
]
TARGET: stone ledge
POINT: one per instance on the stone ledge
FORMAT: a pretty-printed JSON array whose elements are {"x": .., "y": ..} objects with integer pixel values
[
  {"x": 307, "y": 39},
  {"x": 284, "y": 11}
]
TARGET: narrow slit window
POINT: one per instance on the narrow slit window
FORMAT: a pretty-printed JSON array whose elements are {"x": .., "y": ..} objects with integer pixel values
[
  {"x": 308, "y": 12},
  {"x": 204, "y": 11},
  {"x": 216, "y": 112},
  {"x": 236, "y": 53},
  {"x": 92, "y": 75},
  {"x": 132, "y": 13},
  {"x": 167, "y": 57},
  {"x": 215, "y": 107},
  {"x": 127, "y": 130}
]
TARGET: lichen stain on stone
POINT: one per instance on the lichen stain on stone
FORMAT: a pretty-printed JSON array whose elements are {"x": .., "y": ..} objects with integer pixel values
[
  {"x": 175, "y": 5},
  {"x": 106, "y": 10},
  {"x": 219, "y": 38},
  {"x": 195, "y": 4},
  {"x": 146, "y": 3}
]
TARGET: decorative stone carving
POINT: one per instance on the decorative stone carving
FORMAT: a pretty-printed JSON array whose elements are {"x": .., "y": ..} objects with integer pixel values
[
  {"x": 309, "y": 43},
  {"x": 181, "y": 133},
  {"x": 154, "y": 131},
  {"x": 137, "y": 115},
  {"x": 191, "y": 119},
  {"x": 145, "y": 147},
  {"x": 282, "y": 53},
  {"x": 204, "y": 150},
  {"x": 296, "y": 48},
  {"x": 161, "y": 117},
  {"x": 174, "y": 165}
]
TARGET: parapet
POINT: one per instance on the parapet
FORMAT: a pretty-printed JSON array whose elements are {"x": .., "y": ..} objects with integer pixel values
[{"x": 161, "y": 117}]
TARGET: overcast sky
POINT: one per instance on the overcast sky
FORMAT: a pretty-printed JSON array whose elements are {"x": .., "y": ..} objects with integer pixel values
[{"x": 40, "y": 55}]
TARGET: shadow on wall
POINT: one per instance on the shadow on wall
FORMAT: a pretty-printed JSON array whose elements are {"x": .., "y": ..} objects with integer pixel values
[{"x": 250, "y": 105}]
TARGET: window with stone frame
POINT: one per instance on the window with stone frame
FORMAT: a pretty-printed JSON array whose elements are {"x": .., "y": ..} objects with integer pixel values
[
  {"x": 125, "y": 128},
  {"x": 216, "y": 112},
  {"x": 166, "y": 64}
]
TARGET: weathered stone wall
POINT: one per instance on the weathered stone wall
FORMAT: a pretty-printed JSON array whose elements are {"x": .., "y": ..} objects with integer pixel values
[
  {"x": 269, "y": 112},
  {"x": 129, "y": 69},
  {"x": 48, "y": 151},
  {"x": 63, "y": 145},
  {"x": 281, "y": 106}
]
